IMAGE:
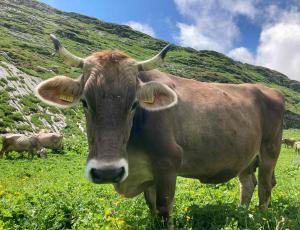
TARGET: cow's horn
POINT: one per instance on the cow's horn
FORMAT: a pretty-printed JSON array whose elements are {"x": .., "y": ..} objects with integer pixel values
[
  {"x": 154, "y": 62},
  {"x": 68, "y": 57}
]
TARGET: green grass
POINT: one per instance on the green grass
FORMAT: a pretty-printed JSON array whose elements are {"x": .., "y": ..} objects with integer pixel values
[
  {"x": 53, "y": 194},
  {"x": 26, "y": 42}
]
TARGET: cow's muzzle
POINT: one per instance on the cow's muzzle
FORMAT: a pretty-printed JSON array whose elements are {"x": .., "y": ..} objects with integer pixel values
[{"x": 100, "y": 172}]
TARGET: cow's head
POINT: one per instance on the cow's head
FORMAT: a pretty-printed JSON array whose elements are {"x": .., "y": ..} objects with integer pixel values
[{"x": 109, "y": 90}]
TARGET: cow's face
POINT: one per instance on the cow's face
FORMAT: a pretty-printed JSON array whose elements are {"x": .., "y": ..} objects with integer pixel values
[
  {"x": 50, "y": 140},
  {"x": 109, "y": 90},
  {"x": 109, "y": 101},
  {"x": 57, "y": 140}
]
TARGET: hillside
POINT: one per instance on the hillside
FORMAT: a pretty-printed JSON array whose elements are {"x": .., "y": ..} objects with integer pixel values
[{"x": 26, "y": 56}]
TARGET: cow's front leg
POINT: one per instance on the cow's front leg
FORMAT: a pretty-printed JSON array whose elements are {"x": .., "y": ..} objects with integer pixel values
[
  {"x": 165, "y": 165},
  {"x": 43, "y": 153},
  {"x": 165, "y": 182},
  {"x": 31, "y": 154},
  {"x": 150, "y": 197},
  {"x": 166, "y": 157}
]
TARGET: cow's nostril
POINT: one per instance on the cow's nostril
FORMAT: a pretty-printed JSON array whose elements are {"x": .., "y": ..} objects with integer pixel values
[
  {"x": 107, "y": 175},
  {"x": 96, "y": 174},
  {"x": 120, "y": 174}
]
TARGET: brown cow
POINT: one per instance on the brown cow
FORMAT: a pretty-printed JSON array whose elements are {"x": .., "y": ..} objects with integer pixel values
[
  {"x": 19, "y": 143},
  {"x": 288, "y": 142},
  {"x": 33, "y": 143},
  {"x": 50, "y": 140},
  {"x": 145, "y": 127}
]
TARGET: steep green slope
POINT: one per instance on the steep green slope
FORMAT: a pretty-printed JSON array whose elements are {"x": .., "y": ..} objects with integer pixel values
[{"x": 25, "y": 26}]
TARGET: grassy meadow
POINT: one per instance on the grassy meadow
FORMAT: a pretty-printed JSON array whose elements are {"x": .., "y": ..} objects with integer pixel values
[{"x": 53, "y": 194}]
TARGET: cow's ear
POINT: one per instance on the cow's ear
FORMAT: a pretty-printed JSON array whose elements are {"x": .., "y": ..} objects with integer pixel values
[
  {"x": 60, "y": 91},
  {"x": 155, "y": 96}
]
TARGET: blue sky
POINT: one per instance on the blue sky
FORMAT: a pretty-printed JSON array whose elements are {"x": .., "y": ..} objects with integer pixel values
[
  {"x": 155, "y": 13},
  {"x": 261, "y": 32}
]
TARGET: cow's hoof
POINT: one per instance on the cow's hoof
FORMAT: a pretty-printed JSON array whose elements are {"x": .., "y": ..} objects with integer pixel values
[
  {"x": 263, "y": 207},
  {"x": 170, "y": 226}
]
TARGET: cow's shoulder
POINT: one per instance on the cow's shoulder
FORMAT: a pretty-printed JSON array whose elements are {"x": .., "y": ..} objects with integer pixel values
[{"x": 273, "y": 100}]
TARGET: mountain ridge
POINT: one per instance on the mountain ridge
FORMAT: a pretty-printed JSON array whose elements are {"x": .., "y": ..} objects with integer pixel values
[{"x": 25, "y": 26}]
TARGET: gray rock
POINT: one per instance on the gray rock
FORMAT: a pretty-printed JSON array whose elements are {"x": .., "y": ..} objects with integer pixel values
[
  {"x": 42, "y": 69},
  {"x": 5, "y": 55},
  {"x": 20, "y": 89}
]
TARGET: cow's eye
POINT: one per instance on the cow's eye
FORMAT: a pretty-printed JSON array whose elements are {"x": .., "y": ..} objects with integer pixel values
[
  {"x": 84, "y": 104},
  {"x": 134, "y": 105}
]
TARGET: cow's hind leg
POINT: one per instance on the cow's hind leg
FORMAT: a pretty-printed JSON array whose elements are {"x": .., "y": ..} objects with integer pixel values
[
  {"x": 2, "y": 153},
  {"x": 4, "y": 149},
  {"x": 266, "y": 177},
  {"x": 247, "y": 183}
]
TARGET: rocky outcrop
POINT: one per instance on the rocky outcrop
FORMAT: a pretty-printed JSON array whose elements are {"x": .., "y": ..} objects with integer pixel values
[{"x": 19, "y": 86}]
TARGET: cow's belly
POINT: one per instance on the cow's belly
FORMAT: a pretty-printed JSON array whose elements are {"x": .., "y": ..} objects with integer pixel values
[
  {"x": 211, "y": 175},
  {"x": 21, "y": 146},
  {"x": 221, "y": 154},
  {"x": 216, "y": 166},
  {"x": 139, "y": 177}
]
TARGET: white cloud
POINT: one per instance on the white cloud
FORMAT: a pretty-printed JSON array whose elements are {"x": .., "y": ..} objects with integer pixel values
[
  {"x": 241, "y": 7},
  {"x": 144, "y": 28},
  {"x": 213, "y": 23},
  {"x": 279, "y": 45},
  {"x": 279, "y": 49},
  {"x": 191, "y": 36},
  {"x": 242, "y": 54}
]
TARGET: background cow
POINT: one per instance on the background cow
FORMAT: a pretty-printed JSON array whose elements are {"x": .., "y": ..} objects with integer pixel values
[
  {"x": 19, "y": 143},
  {"x": 288, "y": 142},
  {"x": 33, "y": 143},
  {"x": 146, "y": 127},
  {"x": 50, "y": 140}
]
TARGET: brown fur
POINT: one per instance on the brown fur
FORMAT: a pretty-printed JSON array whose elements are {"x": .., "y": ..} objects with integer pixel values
[{"x": 109, "y": 56}]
